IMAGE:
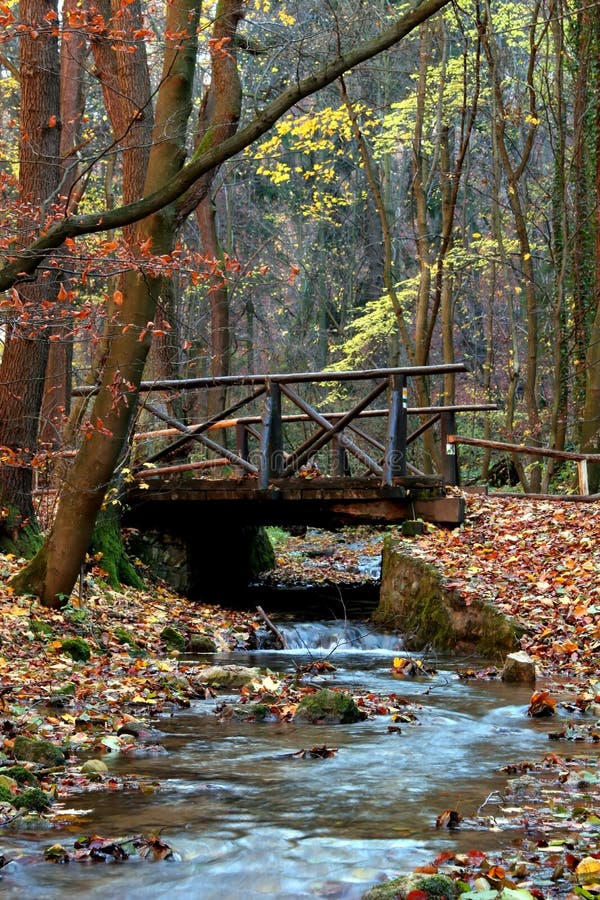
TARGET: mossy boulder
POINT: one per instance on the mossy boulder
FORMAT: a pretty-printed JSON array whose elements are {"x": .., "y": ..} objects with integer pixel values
[
  {"x": 42, "y": 752},
  {"x": 228, "y": 676},
  {"x": 94, "y": 767},
  {"x": 435, "y": 887},
  {"x": 77, "y": 648},
  {"x": 172, "y": 638},
  {"x": 7, "y": 782},
  {"x": 330, "y": 707},
  {"x": 20, "y": 775},
  {"x": 415, "y": 601},
  {"x": 201, "y": 643},
  {"x": 128, "y": 640},
  {"x": 251, "y": 712}
]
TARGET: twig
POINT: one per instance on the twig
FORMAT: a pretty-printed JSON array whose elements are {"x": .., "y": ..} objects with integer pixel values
[{"x": 272, "y": 627}]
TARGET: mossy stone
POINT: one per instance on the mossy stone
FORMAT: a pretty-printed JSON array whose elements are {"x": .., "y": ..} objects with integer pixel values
[
  {"x": 435, "y": 887},
  {"x": 228, "y": 676},
  {"x": 257, "y": 712},
  {"x": 172, "y": 639},
  {"x": 94, "y": 767},
  {"x": 43, "y": 752},
  {"x": 201, "y": 643},
  {"x": 8, "y": 782},
  {"x": 20, "y": 775},
  {"x": 331, "y": 707},
  {"x": 77, "y": 648},
  {"x": 124, "y": 637}
]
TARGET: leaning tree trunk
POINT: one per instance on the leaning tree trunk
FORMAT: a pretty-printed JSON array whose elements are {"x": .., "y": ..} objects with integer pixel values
[{"x": 54, "y": 570}]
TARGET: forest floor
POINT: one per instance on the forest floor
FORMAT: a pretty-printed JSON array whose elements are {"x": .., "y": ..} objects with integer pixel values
[{"x": 89, "y": 680}]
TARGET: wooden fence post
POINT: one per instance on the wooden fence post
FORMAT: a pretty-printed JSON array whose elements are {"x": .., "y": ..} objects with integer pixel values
[
  {"x": 394, "y": 464},
  {"x": 271, "y": 444},
  {"x": 450, "y": 469},
  {"x": 582, "y": 477}
]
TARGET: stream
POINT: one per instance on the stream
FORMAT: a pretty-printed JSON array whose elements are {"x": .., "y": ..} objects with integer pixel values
[{"x": 249, "y": 822}]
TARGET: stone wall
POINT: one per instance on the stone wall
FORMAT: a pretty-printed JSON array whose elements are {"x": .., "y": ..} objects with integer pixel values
[{"x": 415, "y": 601}]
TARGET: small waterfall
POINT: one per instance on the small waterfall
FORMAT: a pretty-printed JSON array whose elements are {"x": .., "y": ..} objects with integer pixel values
[{"x": 338, "y": 636}]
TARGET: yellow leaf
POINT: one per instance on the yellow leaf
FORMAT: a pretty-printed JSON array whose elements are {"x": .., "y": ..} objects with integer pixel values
[
  {"x": 17, "y": 611},
  {"x": 588, "y": 870}
]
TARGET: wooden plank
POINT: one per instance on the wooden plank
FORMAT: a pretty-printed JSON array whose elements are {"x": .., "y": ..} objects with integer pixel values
[{"x": 442, "y": 510}]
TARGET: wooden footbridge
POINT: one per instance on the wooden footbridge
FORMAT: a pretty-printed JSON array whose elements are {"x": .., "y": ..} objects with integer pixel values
[{"x": 287, "y": 460}]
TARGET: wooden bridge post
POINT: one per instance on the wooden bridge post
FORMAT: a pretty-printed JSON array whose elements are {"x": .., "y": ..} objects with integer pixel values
[
  {"x": 394, "y": 464},
  {"x": 450, "y": 469},
  {"x": 341, "y": 462},
  {"x": 271, "y": 444}
]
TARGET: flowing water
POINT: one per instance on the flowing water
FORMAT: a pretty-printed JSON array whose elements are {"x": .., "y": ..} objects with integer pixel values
[{"x": 250, "y": 822}]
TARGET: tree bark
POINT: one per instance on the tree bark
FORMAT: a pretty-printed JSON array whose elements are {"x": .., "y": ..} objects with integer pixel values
[{"x": 26, "y": 345}]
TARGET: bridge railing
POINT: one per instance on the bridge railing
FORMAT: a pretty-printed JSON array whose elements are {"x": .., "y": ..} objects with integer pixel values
[{"x": 263, "y": 446}]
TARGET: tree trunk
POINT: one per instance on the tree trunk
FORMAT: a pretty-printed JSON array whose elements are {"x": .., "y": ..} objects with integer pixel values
[
  {"x": 26, "y": 345},
  {"x": 56, "y": 401},
  {"x": 590, "y": 427}
]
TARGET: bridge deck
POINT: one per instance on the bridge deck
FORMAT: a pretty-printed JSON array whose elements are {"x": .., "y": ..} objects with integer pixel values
[{"x": 321, "y": 501}]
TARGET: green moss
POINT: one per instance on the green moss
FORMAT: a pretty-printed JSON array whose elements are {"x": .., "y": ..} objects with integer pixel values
[
  {"x": 20, "y": 774},
  {"x": 201, "y": 643},
  {"x": 21, "y": 540},
  {"x": 6, "y": 795},
  {"x": 33, "y": 799},
  {"x": 41, "y": 629},
  {"x": 78, "y": 649},
  {"x": 172, "y": 639},
  {"x": 255, "y": 712},
  {"x": 261, "y": 556},
  {"x": 334, "y": 707},
  {"x": 435, "y": 887},
  {"x": 107, "y": 540}
]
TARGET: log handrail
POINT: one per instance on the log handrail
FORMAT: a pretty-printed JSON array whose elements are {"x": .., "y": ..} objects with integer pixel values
[
  {"x": 525, "y": 448},
  {"x": 191, "y": 384}
]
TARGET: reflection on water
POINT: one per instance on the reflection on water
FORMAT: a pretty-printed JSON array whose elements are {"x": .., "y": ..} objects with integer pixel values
[{"x": 250, "y": 823}]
